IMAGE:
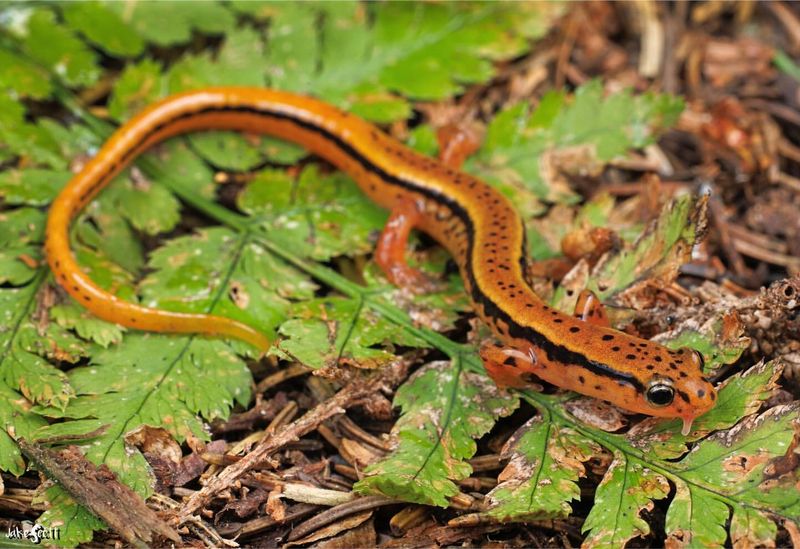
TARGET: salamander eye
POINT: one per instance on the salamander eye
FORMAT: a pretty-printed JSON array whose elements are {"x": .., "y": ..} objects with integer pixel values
[{"x": 660, "y": 394}]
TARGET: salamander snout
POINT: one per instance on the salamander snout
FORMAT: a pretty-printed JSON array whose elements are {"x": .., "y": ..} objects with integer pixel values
[{"x": 694, "y": 395}]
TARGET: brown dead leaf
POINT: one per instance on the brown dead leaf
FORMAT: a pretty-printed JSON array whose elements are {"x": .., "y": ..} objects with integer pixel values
[
  {"x": 276, "y": 508},
  {"x": 726, "y": 60},
  {"x": 193, "y": 465},
  {"x": 249, "y": 504},
  {"x": 363, "y": 535},
  {"x": 155, "y": 441},
  {"x": 239, "y": 295},
  {"x": 743, "y": 463},
  {"x": 597, "y": 413},
  {"x": 337, "y": 527},
  {"x": 356, "y": 454},
  {"x": 555, "y": 165},
  {"x": 745, "y": 132},
  {"x": 589, "y": 243}
]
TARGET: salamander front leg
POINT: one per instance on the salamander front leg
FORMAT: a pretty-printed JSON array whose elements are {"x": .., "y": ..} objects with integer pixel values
[
  {"x": 390, "y": 253},
  {"x": 509, "y": 367},
  {"x": 456, "y": 144},
  {"x": 589, "y": 309}
]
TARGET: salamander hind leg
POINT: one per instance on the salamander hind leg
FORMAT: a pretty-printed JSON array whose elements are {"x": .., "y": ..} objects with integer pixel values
[
  {"x": 509, "y": 367},
  {"x": 589, "y": 309},
  {"x": 390, "y": 253}
]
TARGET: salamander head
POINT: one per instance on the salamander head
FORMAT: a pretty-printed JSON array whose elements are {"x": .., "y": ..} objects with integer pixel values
[{"x": 680, "y": 391}]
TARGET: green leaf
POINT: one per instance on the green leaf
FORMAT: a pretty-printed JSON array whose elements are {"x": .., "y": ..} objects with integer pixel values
[
  {"x": 75, "y": 524},
  {"x": 15, "y": 411},
  {"x": 11, "y": 112},
  {"x": 311, "y": 47},
  {"x": 444, "y": 409},
  {"x": 541, "y": 477},
  {"x": 103, "y": 28},
  {"x": 326, "y": 332},
  {"x": 102, "y": 229},
  {"x": 36, "y": 379},
  {"x": 717, "y": 345},
  {"x": 149, "y": 208},
  {"x": 696, "y": 518},
  {"x": 87, "y": 326},
  {"x": 34, "y": 142},
  {"x": 432, "y": 49},
  {"x": 162, "y": 381},
  {"x": 318, "y": 216},
  {"x": 628, "y": 488},
  {"x": 529, "y": 151},
  {"x": 243, "y": 282},
  {"x": 752, "y": 528},
  {"x": 227, "y": 150},
  {"x": 32, "y": 187},
  {"x": 168, "y": 22},
  {"x": 139, "y": 85},
  {"x": 786, "y": 64},
  {"x": 736, "y": 465},
  {"x": 23, "y": 77},
  {"x": 57, "y": 49},
  {"x": 22, "y": 346},
  {"x": 236, "y": 64},
  {"x": 657, "y": 254},
  {"x": 21, "y": 226},
  {"x": 14, "y": 268}
]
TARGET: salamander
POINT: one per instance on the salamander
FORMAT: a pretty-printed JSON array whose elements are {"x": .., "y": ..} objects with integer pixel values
[{"x": 478, "y": 225}]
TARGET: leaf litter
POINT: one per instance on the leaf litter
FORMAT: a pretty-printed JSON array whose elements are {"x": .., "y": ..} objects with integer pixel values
[{"x": 293, "y": 259}]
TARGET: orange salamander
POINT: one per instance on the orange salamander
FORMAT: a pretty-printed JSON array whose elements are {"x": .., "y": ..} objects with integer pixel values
[{"x": 477, "y": 224}]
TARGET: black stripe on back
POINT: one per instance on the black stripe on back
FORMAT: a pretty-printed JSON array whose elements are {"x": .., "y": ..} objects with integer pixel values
[{"x": 554, "y": 351}]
